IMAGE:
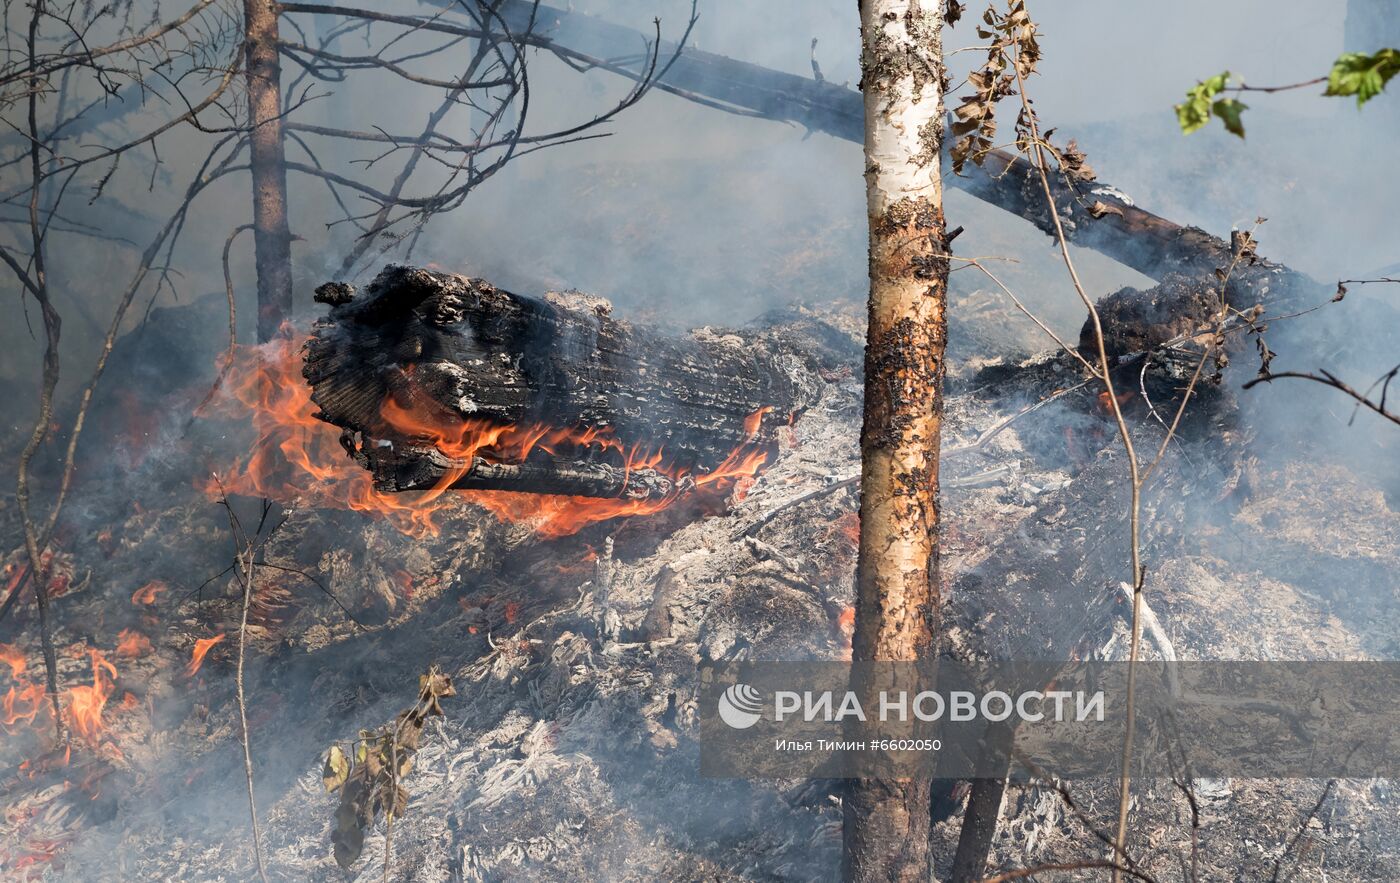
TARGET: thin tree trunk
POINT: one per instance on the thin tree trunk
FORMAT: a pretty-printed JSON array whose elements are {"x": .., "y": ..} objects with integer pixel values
[
  {"x": 887, "y": 821},
  {"x": 980, "y": 821},
  {"x": 35, "y": 539},
  {"x": 272, "y": 239}
]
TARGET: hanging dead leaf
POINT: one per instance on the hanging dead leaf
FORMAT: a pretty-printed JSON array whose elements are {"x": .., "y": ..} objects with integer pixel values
[
  {"x": 371, "y": 785},
  {"x": 336, "y": 770}
]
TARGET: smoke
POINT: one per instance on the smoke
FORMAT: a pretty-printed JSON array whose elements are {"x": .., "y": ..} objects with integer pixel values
[{"x": 685, "y": 216}]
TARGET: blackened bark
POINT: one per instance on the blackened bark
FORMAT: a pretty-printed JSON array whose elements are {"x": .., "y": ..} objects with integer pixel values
[
  {"x": 448, "y": 350},
  {"x": 272, "y": 238}
]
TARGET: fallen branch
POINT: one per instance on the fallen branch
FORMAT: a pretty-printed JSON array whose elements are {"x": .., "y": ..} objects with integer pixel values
[{"x": 1101, "y": 217}]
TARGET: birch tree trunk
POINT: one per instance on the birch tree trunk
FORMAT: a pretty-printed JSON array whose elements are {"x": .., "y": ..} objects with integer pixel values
[
  {"x": 272, "y": 238},
  {"x": 887, "y": 821}
]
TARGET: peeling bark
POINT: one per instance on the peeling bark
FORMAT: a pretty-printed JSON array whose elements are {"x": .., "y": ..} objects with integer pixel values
[{"x": 886, "y": 821}]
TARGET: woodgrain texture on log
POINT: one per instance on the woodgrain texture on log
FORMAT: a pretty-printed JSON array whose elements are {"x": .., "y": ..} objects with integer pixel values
[{"x": 456, "y": 350}]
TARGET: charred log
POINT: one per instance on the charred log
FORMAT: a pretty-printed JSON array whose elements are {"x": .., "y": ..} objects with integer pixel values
[
  {"x": 412, "y": 468},
  {"x": 419, "y": 357},
  {"x": 1092, "y": 214},
  {"x": 1181, "y": 305},
  {"x": 1095, "y": 215}
]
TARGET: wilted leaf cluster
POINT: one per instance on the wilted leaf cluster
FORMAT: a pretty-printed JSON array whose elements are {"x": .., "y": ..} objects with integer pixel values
[
  {"x": 369, "y": 773},
  {"x": 1012, "y": 55},
  {"x": 1012, "y": 50}
]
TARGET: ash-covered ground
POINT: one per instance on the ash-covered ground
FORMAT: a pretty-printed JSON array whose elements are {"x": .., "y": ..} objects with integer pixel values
[{"x": 569, "y": 750}]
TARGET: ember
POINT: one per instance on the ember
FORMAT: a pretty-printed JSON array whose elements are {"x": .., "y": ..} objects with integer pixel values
[
  {"x": 1122, "y": 397},
  {"x": 846, "y": 630}
]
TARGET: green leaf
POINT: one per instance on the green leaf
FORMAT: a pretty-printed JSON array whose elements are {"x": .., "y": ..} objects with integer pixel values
[
  {"x": 1194, "y": 112},
  {"x": 1229, "y": 110},
  {"x": 1362, "y": 75}
]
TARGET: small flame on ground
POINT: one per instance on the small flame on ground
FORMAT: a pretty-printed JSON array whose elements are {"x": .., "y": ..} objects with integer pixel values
[
  {"x": 23, "y": 702},
  {"x": 131, "y": 644},
  {"x": 147, "y": 594},
  {"x": 21, "y": 705},
  {"x": 13, "y": 573},
  {"x": 846, "y": 630},
  {"x": 848, "y": 526},
  {"x": 85, "y": 704},
  {"x": 201, "y": 649},
  {"x": 1106, "y": 403},
  {"x": 14, "y": 658},
  {"x": 297, "y": 456}
]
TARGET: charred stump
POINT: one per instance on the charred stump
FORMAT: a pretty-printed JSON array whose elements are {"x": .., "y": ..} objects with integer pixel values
[{"x": 421, "y": 366}]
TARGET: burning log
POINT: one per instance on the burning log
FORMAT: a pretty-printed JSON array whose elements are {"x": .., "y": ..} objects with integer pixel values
[
  {"x": 425, "y": 468},
  {"x": 440, "y": 381}
]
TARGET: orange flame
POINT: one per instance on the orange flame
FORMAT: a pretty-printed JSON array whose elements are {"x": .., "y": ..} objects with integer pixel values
[
  {"x": 82, "y": 704},
  {"x": 21, "y": 705},
  {"x": 297, "y": 456},
  {"x": 131, "y": 644},
  {"x": 846, "y": 630},
  {"x": 85, "y": 703},
  {"x": 1107, "y": 404},
  {"x": 848, "y": 526},
  {"x": 14, "y": 658},
  {"x": 201, "y": 649},
  {"x": 13, "y": 573},
  {"x": 754, "y": 422},
  {"x": 147, "y": 593}
]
